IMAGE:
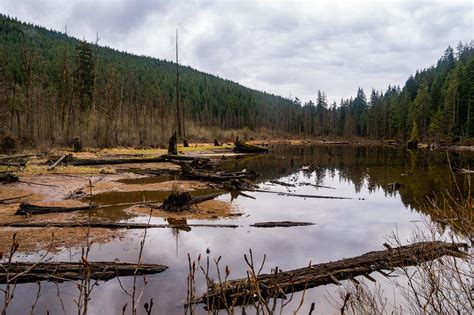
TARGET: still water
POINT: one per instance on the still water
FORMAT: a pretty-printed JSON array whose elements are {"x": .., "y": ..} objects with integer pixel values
[{"x": 343, "y": 228}]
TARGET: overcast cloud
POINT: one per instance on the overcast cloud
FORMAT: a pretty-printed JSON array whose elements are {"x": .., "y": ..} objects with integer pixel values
[{"x": 290, "y": 48}]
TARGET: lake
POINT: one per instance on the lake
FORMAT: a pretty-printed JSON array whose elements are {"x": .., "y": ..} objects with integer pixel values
[{"x": 373, "y": 210}]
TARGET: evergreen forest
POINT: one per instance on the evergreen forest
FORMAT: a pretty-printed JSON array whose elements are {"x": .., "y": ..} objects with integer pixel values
[{"x": 54, "y": 88}]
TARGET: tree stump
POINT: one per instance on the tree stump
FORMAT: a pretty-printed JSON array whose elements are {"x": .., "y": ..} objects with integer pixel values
[
  {"x": 173, "y": 145},
  {"x": 76, "y": 144}
]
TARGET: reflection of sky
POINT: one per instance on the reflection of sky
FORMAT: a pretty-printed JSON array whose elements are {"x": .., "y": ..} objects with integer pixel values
[{"x": 343, "y": 228}]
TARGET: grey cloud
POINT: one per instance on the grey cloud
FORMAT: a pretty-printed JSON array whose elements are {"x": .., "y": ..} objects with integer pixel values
[{"x": 283, "y": 47}]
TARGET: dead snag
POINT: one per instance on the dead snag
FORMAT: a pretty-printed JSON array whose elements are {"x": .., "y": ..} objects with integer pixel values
[
  {"x": 28, "y": 209},
  {"x": 241, "y": 291},
  {"x": 24, "y": 272}
]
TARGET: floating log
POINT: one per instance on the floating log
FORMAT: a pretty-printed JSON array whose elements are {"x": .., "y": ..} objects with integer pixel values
[
  {"x": 180, "y": 201},
  {"x": 242, "y": 291},
  {"x": 277, "y": 182},
  {"x": 28, "y": 209},
  {"x": 25, "y": 272},
  {"x": 191, "y": 172},
  {"x": 280, "y": 224},
  {"x": 297, "y": 195},
  {"x": 8, "y": 178},
  {"x": 111, "y": 225}
]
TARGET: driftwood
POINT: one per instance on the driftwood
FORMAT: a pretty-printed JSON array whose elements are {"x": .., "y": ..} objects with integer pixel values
[
  {"x": 180, "y": 201},
  {"x": 28, "y": 209},
  {"x": 111, "y": 225},
  {"x": 57, "y": 162},
  {"x": 191, "y": 172},
  {"x": 24, "y": 272},
  {"x": 280, "y": 224},
  {"x": 242, "y": 291},
  {"x": 7, "y": 178},
  {"x": 242, "y": 147}
]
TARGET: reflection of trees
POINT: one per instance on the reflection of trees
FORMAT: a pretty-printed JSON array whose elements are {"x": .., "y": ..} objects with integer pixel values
[{"x": 424, "y": 174}]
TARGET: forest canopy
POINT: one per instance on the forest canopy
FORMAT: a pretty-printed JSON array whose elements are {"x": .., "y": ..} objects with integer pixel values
[{"x": 54, "y": 88}]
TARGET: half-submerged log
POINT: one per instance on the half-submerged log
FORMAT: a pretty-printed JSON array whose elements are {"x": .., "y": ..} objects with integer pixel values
[
  {"x": 280, "y": 224},
  {"x": 191, "y": 172},
  {"x": 243, "y": 291},
  {"x": 242, "y": 147},
  {"x": 29, "y": 209},
  {"x": 24, "y": 272},
  {"x": 180, "y": 201}
]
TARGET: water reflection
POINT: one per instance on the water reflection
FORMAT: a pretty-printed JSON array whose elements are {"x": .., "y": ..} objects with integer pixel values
[{"x": 344, "y": 228}]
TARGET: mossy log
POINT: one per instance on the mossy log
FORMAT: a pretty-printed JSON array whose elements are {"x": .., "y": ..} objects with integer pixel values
[
  {"x": 243, "y": 291},
  {"x": 242, "y": 147},
  {"x": 24, "y": 272}
]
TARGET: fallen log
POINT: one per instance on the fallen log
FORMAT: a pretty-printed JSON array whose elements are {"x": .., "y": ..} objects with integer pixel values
[
  {"x": 242, "y": 147},
  {"x": 190, "y": 172},
  {"x": 280, "y": 224},
  {"x": 29, "y": 209},
  {"x": 25, "y": 272},
  {"x": 90, "y": 162},
  {"x": 111, "y": 225},
  {"x": 243, "y": 291},
  {"x": 13, "y": 199}
]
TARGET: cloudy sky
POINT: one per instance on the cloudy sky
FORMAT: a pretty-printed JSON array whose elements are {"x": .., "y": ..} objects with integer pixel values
[{"x": 290, "y": 48}]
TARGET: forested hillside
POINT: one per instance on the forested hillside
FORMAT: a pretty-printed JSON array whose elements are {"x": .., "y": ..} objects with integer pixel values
[{"x": 54, "y": 87}]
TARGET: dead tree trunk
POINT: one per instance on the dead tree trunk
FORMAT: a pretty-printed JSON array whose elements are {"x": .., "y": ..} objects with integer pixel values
[
  {"x": 173, "y": 144},
  {"x": 243, "y": 291},
  {"x": 24, "y": 272}
]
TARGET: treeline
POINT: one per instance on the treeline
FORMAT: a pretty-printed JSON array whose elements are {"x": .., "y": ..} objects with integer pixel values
[
  {"x": 436, "y": 104},
  {"x": 54, "y": 88}
]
